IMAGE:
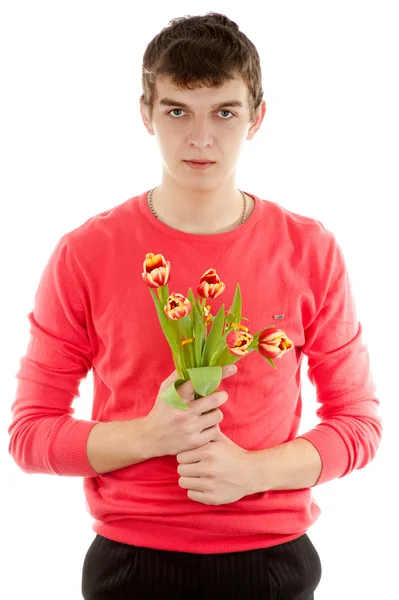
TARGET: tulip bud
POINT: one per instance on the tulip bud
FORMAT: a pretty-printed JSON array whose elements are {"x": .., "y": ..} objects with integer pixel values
[
  {"x": 238, "y": 342},
  {"x": 274, "y": 344},
  {"x": 210, "y": 285},
  {"x": 177, "y": 306},
  {"x": 156, "y": 270}
]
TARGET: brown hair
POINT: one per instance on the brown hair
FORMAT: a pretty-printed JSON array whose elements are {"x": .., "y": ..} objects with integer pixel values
[{"x": 198, "y": 51}]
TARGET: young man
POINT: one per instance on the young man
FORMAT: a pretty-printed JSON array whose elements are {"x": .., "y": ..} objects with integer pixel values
[{"x": 186, "y": 504}]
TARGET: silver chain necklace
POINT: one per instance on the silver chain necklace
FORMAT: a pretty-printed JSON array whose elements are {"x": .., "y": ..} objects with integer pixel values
[{"x": 155, "y": 214}]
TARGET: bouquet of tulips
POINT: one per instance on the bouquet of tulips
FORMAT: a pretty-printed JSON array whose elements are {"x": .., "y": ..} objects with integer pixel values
[{"x": 202, "y": 343}]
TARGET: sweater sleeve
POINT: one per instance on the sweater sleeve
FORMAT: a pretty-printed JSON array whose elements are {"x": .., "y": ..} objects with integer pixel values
[
  {"x": 349, "y": 434},
  {"x": 44, "y": 436}
]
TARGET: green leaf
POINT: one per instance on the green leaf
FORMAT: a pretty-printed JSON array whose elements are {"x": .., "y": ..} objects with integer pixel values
[
  {"x": 227, "y": 358},
  {"x": 190, "y": 296},
  {"x": 199, "y": 342},
  {"x": 235, "y": 317},
  {"x": 172, "y": 397},
  {"x": 213, "y": 337},
  {"x": 168, "y": 326},
  {"x": 198, "y": 303},
  {"x": 186, "y": 327},
  {"x": 219, "y": 349},
  {"x": 205, "y": 380},
  {"x": 236, "y": 305},
  {"x": 199, "y": 327},
  {"x": 178, "y": 365}
]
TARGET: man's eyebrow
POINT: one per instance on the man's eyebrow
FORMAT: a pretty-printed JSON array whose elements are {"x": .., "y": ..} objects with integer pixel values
[{"x": 170, "y": 102}]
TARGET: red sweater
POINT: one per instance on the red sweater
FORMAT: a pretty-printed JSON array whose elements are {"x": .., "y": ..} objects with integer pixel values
[{"x": 93, "y": 311}]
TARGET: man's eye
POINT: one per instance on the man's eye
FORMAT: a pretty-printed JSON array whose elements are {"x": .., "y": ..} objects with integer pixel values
[{"x": 181, "y": 110}]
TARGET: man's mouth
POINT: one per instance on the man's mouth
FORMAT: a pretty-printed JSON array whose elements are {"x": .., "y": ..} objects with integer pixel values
[{"x": 202, "y": 162}]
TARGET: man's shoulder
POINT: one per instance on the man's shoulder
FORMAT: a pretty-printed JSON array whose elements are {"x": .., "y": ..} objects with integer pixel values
[
  {"x": 299, "y": 227},
  {"x": 103, "y": 226}
]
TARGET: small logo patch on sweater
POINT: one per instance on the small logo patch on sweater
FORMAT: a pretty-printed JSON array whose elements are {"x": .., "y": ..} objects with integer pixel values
[{"x": 278, "y": 316}]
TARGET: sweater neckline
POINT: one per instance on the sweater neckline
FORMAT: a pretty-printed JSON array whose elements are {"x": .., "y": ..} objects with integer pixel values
[{"x": 195, "y": 237}]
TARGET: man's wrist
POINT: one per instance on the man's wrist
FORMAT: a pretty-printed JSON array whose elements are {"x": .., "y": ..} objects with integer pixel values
[
  {"x": 289, "y": 466},
  {"x": 149, "y": 439},
  {"x": 254, "y": 472}
]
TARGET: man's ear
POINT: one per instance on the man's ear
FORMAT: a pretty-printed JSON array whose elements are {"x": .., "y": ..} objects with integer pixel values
[
  {"x": 144, "y": 116},
  {"x": 260, "y": 114}
]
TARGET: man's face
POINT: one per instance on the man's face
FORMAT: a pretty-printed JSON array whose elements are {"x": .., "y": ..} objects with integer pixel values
[{"x": 202, "y": 131}]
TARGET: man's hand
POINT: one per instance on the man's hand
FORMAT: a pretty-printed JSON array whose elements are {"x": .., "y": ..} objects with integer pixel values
[{"x": 218, "y": 472}]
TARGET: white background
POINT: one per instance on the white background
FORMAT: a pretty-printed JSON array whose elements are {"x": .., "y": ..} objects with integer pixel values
[{"x": 73, "y": 144}]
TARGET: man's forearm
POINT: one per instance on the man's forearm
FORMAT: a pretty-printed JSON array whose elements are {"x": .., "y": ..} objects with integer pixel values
[
  {"x": 290, "y": 466},
  {"x": 118, "y": 444}
]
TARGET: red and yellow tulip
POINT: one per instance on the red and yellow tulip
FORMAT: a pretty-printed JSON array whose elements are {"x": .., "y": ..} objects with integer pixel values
[
  {"x": 238, "y": 342},
  {"x": 274, "y": 344},
  {"x": 210, "y": 285},
  {"x": 177, "y": 306},
  {"x": 156, "y": 270}
]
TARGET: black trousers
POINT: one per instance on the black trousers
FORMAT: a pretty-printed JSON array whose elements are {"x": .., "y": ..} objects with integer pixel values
[{"x": 112, "y": 570}]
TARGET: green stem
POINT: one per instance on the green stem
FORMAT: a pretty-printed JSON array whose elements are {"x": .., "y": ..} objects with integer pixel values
[
  {"x": 183, "y": 357},
  {"x": 190, "y": 355},
  {"x": 179, "y": 367}
]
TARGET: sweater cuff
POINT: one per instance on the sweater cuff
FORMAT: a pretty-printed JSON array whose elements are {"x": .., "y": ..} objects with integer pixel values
[
  {"x": 67, "y": 446},
  {"x": 333, "y": 452}
]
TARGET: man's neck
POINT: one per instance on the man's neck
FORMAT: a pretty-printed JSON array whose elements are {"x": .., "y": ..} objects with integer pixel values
[{"x": 208, "y": 220}]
